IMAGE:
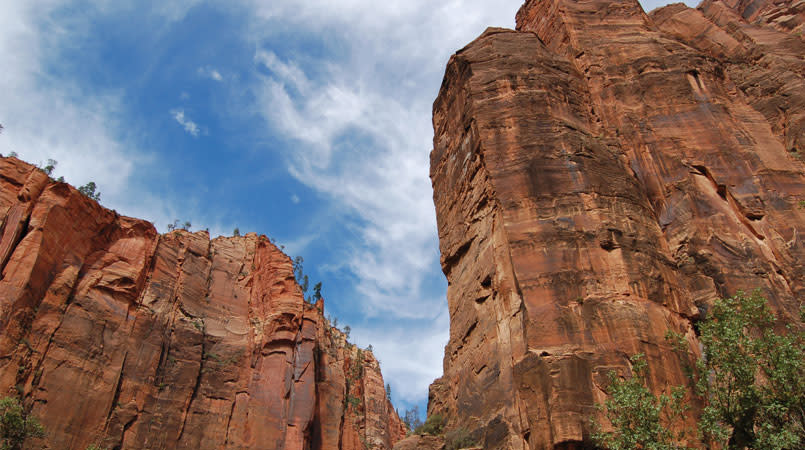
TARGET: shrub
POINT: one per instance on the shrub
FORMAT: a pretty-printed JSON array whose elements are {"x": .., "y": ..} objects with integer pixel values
[
  {"x": 458, "y": 439},
  {"x": 16, "y": 426},
  {"x": 751, "y": 379},
  {"x": 50, "y": 166},
  {"x": 639, "y": 418},
  {"x": 434, "y": 425}
]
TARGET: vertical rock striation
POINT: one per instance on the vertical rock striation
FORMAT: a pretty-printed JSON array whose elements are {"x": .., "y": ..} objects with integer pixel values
[
  {"x": 115, "y": 335},
  {"x": 600, "y": 177}
]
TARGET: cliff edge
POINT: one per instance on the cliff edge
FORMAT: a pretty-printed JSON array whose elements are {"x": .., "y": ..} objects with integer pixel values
[
  {"x": 116, "y": 336},
  {"x": 601, "y": 176}
]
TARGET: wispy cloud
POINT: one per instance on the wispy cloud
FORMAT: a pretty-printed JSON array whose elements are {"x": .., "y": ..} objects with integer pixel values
[
  {"x": 86, "y": 130},
  {"x": 358, "y": 119},
  {"x": 189, "y": 126},
  {"x": 361, "y": 119},
  {"x": 209, "y": 72},
  {"x": 362, "y": 129},
  {"x": 47, "y": 119}
]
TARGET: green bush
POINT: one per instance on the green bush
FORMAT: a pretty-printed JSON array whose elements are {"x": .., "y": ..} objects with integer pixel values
[
  {"x": 434, "y": 425},
  {"x": 750, "y": 379},
  {"x": 16, "y": 426},
  {"x": 754, "y": 388},
  {"x": 639, "y": 418}
]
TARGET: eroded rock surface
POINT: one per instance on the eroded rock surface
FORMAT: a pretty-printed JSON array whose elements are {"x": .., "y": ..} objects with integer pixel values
[
  {"x": 117, "y": 336},
  {"x": 600, "y": 177}
]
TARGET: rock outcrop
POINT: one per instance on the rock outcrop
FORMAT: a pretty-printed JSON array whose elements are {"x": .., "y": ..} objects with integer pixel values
[
  {"x": 600, "y": 177},
  {"x": 117, "y": 336}
]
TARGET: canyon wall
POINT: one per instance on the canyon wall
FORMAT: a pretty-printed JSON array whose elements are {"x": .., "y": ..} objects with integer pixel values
[
  {"x": 116, "y": 336},
  {"x": 600, "y": 177}
]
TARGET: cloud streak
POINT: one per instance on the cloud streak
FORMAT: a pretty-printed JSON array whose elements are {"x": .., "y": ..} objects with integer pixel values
[
  {"x": 360, "y": 123},
  {"x": 189, "y": 126},
  {"x": 211, "y": 73}
]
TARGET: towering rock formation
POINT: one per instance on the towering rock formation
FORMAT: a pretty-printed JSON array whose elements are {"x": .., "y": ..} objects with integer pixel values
[
  {"x": 117, "y": 336},
  {"x": 600, "y": 177}
]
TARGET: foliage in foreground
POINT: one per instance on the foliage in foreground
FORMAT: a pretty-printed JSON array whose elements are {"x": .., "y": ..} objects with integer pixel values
[
  {"x": 16, "y": 426},
  {"x": 640, "y": 419},
  {"x": 754, "y": 388},
  {"x": 751, "y": 380}
]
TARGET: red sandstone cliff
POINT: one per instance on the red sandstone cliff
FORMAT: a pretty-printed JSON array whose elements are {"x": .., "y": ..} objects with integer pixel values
[
  {"x": 115, "y": 335},
  {"x": 600, "y": 177}
]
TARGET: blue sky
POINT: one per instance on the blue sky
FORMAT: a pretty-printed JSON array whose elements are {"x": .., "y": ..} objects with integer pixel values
[{"x": 305, "y": 121}]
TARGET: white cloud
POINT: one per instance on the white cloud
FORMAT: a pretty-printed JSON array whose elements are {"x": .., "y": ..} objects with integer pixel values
[
  {"x": 409, "y": 356},
  {"x": 363, "y": 125},
  {"x": 363, "y": 128},
  {"x": 289, "y": 73},
  {"x": 49, "y": 119},
  {"x": 189, "y": 126},
  {"x": 211, "y": 73},
  {"x": 85, "y": 130},
  {"x": 295, "y": 198}
]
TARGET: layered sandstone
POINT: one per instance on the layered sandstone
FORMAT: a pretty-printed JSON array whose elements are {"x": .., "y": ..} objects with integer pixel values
[
  {"x": 117, "y": 336},
  {"x": 600, "y": 177}
]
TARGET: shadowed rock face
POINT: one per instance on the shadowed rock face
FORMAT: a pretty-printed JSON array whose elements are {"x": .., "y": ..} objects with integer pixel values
[
  {"x": 600, "y": 177},
  {"x": 115, "y": 335}
]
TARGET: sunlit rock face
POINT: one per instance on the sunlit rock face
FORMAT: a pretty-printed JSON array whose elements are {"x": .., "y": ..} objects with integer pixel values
[
  {"x": 600, "y": 177},
  {"x": 117, "y": 336}
]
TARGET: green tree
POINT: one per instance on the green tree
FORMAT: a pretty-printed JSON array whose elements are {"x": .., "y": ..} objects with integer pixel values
[
  {"x": 751, "y": 377},
  {"x": 50, "y": 166},
  {"x": 304, "y": 281},
  {"x": 640, "y": 419},
  {"x": 89, "y": 190},
  {"x": 299, "y": 274},
  {"x": 16, "y": 426},
  {"x": 751, "y": 380},
  {"x": 316, "y": 293}
]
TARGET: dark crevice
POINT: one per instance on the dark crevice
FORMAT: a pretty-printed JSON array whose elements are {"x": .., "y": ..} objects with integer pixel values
[
  {"x": 118, "y": 387},
  {"x": 194, "y": 394},
  {"x": 695, "y": 74},
  {"x": 469, "y": 331},
  {"x": 451, "y": 261},
  {"x": 229, "y": 419},
  {"x": 487, "y": 282},
  {"x": 22, "y": 233},
  {"x": 736, "y": 208}
]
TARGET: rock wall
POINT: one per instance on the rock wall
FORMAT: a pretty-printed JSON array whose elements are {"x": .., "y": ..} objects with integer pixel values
[
  {"x": 600, "y": 177},
  {"x": 117, "y": 336}
]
